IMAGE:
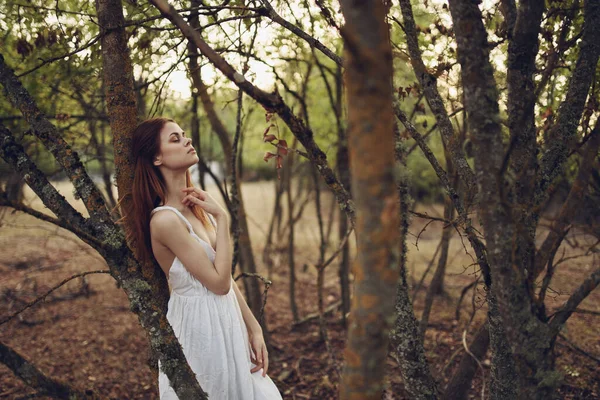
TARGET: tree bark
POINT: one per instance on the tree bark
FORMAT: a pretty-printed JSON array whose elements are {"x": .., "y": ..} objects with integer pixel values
[
  {"x": 405, "y": 341},
  {"x": 563, "y": 133},
  {"x": 290, "y": 242},
  {"x": 194, "y": 22},
  {"x": 368, "y": 78},
  {"x": 522, "y": 151},
  {"x": 529, "y": 337},
  {"x": 343, "y": 170}
]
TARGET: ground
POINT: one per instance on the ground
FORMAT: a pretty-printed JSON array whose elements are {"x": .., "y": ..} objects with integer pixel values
[{"x": 86, "y": 336}]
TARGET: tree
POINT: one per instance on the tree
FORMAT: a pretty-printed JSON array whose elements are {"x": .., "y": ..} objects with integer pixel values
[
  {"x": 528, "y": 142},
  {"x": 509, "y": 208},
  {"x": 367, "y": 76}
]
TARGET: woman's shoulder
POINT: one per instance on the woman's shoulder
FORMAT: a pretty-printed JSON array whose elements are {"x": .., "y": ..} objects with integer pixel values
[{"x": 162, "y": 222}]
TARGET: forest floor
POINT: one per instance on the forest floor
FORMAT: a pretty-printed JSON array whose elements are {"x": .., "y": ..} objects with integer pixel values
[{"x": 86, "y": 336}]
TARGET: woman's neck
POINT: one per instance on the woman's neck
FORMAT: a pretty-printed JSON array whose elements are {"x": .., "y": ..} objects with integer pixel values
[{"x": 174, "y": 181}]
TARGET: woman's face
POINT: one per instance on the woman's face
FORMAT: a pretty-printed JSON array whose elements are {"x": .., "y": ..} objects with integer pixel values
[{"x": 176, "y": 150}]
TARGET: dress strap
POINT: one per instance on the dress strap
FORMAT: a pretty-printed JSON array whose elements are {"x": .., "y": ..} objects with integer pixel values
[
  {"x": 187, "y": 223},
  {"x": 212, "y": 220}
]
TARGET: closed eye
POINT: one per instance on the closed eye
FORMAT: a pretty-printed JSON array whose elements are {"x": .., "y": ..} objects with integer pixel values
[{"x": 176, "y": 135}]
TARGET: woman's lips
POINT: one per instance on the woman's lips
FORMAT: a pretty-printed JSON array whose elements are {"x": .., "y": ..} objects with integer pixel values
[{"x": 192, "y": 150}]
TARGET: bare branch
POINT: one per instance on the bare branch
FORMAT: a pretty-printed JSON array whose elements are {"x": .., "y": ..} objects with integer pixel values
[
  {"x": 572, "y": 204},
  {"x": 267, "y": 284},
  {"x": 33, "y": 377},
  {"x": 579, "y": 349},
  {"x": 60, "y": 149},
  {"x": 569, "y": 113},
  {"x": 428, "y": 83},
  {"x": 61, "y": 222},
  {"x": 477, "y": 244},
  {"x": 13, "y": 153},
  {"x": 272, "y": 14},
  {"x": 69, "y": 54},
  {"x": 272, "y": 102},
  {"x": 561, "y": 316},
  {"x": 42, "y": 297}
]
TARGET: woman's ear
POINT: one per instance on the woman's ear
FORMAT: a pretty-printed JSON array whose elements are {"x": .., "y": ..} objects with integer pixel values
[{"x": 157, "y": 161}]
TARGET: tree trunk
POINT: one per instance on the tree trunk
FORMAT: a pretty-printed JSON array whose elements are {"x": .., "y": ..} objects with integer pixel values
[
  {"x": 14, "y": 187},
  {"x": 503, "y": 373},
  {"x": 437, "y": 282},
  {"x": 343, "y": 170},
  {"x": 290, "y": 247},
  {"x": 459, "y": 385},
  {"x": 123, "y": 113},
  {"x": 529, "y": 337},
  {"x": 194, "y": 22},
  {"x": 406, "y": 343},
  {"x": 368, "y": 77}
]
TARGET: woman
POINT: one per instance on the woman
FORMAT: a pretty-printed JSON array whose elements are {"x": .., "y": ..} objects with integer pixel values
[{"x": 187, "y": 232}]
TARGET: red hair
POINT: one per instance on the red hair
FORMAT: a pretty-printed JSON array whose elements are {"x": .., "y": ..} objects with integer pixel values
[{"x": 148, "y": 189}]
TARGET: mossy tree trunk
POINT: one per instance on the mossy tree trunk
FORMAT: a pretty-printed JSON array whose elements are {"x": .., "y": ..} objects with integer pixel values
[
  {"x": 99, "y": 231},
  {"x": 509, "y": 202}
]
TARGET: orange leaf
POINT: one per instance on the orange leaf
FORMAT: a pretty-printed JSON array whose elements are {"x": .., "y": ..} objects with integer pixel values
[
  {"x": 267, "y": 130},
  {"x": 269, "y": 138},
  {"x": 268, "y": 155}
]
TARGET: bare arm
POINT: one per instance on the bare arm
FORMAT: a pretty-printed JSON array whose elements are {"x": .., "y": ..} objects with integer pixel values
[
  {"x": 257, "y": 342},
  {"x": 251, "y": 323},
  {"x": 170, "y": 231},
  {"x": 223, "y": 251}
]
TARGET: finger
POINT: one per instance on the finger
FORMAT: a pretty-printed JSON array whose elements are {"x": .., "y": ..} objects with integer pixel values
[
  {"x": 189, "y": 199},
  {"x": 257, "y": 368},
  {"x": 265, "y": 361},
  {"x": 200, "y": 196},
  {"x": 193, "y": 190}
]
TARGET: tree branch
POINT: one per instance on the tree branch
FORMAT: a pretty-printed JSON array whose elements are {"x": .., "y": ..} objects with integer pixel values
[
  {"x": 561, "y": 316},
  {"x": 573, "y": 202},
  {"x": 272, "y": 102},
  {"x": 42, "y": 297},
  {"x": 14, "y": 154},
  {"x": 60, "y": 149},
  {"x": 61, "y": 222},
  {"x": 563, "y": 132},
  {"x": 477, "y": 244},
  {"x": 33, "y": 377},
  {"x": 272, "y": 14},
  {"x": 428, "y": 84}
]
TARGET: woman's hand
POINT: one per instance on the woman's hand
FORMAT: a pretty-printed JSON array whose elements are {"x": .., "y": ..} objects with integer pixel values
[
  {"x": 203, "y": 199},
  {"x": 257, "y": 342}
]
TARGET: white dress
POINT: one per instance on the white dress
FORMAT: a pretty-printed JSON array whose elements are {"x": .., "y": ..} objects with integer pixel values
[{"x": 213, "y": 336}]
